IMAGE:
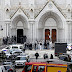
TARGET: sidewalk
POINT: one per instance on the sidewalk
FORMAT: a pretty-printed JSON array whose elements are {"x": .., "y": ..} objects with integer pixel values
[{"x": 41, "y": 53}]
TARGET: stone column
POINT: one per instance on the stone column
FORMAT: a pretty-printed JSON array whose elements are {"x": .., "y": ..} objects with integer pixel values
[
  {"x": 7, "y": 28},
  {"x": 31, "y": 22},
  {"x": 69, "y": 31}
]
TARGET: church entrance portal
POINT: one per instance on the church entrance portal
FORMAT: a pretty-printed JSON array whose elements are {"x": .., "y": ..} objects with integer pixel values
[
  {"x": 19, "y": 35},
  {"x": 50, "y": 36}
]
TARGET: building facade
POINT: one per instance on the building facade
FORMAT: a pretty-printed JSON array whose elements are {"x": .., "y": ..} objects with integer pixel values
[{"x": 36, "y": 19}]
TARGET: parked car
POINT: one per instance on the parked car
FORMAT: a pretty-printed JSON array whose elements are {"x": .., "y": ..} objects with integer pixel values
[
  {"x": 2, "y": 56},
  {"x": 69, "y": 46},
  {"x": 17, "y": 46},
  {"x": 14, "y": 46},
  {"x": 65, "y": 58},
  {"x": 16, "y": 52},
  {"x": 6, "y": 48},
  {"x": 9, "y": 62},
  {"x": 7, "y": 68},
  {"x": 20, "y": 60},
  {"x": 7, "y": 53}
]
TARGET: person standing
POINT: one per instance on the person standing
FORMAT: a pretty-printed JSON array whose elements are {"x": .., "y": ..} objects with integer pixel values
[
  {"x": 35, "y": 46},
  {"x": 40, "y": 45},
  {"x": 50, "y": 44},
  {"x": 45, "y": 45},
  {"x": 51, "y": 57},
  {"x": 36, "y": 55}
]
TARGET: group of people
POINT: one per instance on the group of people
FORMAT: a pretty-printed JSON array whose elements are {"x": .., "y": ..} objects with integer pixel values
[
  {"x": 9, "y": 40},
  {"x": 45, "y": 56},
  {"x": 27, "y": 45},
  {"x": 14, "y": 40},
  {"x": 43, "y": 44},
  {"x": 38, "y": 45}
]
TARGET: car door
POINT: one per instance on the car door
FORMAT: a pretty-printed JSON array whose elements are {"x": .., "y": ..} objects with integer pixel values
[
  {"x": 41, "y": 68},
  {"x": 35, "y": 68}
]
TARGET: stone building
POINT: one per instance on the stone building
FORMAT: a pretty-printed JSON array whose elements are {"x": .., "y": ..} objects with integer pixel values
[{"x": 36, "y": 19}]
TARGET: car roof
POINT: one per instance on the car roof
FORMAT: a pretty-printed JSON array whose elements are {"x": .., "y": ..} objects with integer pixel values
[
  {"x": 53, "y": 61},
  {"x": 16, "y": 51},
  {"x": 16, "y": 45},
  {"x": 22, "y": 56},
  {"x": 37, "y": 63},
  {"x": 5, "y": 65},
  {"x": 63, "y": 56}
]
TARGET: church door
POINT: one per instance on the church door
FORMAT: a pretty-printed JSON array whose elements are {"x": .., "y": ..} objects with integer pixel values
[
  {"x": 53, "y": 35},
  {"x": 47, "y": 34},
  {"x": 19, "y": 35}
]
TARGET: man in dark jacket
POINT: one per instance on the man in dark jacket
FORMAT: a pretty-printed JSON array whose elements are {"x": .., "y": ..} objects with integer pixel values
[
  {"x": 37, "y": 55},
  {"x": 51, "y": 57}
]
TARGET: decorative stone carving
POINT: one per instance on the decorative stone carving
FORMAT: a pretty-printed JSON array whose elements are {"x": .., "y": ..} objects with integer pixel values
[{"x": 50, "y": 5}]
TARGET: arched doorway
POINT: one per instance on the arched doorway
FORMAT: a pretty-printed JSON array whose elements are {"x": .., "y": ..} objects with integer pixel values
[
  {"x": 50, "y": 23},
  {"x": 49, "y": 36},
  {"x": 19, "y": 29}
]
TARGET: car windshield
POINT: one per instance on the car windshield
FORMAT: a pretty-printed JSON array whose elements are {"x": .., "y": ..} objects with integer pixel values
[
  {"x": 28, "y": 68},
  {"x": 62, "y": 58},
  {"x": 21, "y": 58},
  {"x": 7, "y": 47},
  {"x": 18, "y": 52},
  {"x": 14, "y": 47},
  {"x": 7, "y": 63},
  {"x": 7, "y": 67}
]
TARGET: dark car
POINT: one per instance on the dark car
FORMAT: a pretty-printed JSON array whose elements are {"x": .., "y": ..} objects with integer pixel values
[
  {"x": 64, "y": 58},
  {"x": 9, "y": 68}
]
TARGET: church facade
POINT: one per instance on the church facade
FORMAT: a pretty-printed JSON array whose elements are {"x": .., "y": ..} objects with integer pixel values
[{"x": 36, "y": 19}]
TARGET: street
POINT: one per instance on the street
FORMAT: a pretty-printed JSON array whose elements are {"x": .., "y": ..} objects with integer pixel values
[
  {"x": 41, "y": 52},
  {"x": 31, "y": 53}
]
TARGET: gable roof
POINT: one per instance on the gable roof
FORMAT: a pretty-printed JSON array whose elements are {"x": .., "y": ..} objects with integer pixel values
[
  {"x": 19, "y": 8},
  {"x": 52, "y": 2}
]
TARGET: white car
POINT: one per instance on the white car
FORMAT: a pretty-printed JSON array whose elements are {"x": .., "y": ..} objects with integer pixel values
[
  {"x": 69, "y": 46},
  {"x": 14, "y": 46},
  {"x": 20, "y": 60},
  {"x": 17, "y": 46},
  {"x": 6, "y": 48},
  {"x": 16, "y": 52},
  {"x": 7, "y": 53}
]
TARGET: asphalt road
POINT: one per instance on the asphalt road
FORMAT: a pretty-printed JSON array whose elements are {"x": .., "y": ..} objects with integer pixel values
[{"x": 32, "y": 55}]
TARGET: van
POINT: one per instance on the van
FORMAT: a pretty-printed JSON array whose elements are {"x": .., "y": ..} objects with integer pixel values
[{"x": 44, "y": 67}]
